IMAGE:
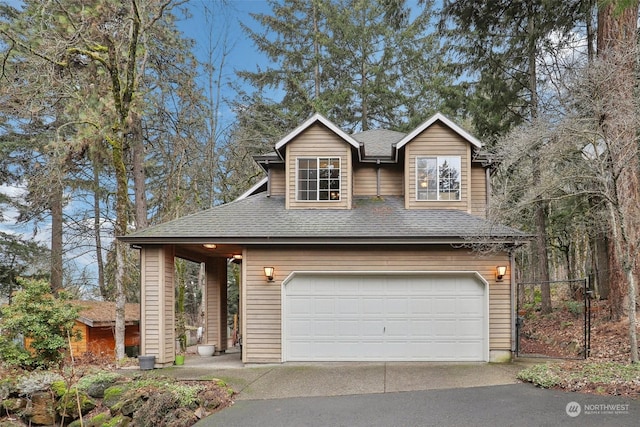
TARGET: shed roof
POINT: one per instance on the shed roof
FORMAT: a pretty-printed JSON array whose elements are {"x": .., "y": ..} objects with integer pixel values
[{"x": 103, "y": 313}]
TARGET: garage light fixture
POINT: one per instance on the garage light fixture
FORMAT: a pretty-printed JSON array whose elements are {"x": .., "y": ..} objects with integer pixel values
[
  {"x": 501, "y": 270},
  {"x": 268, "y": 272}
]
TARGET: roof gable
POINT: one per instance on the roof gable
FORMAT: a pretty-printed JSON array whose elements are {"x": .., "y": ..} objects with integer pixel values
[
  {"x": 317, "y": 118},
  {"x": 443, "y": 119}
]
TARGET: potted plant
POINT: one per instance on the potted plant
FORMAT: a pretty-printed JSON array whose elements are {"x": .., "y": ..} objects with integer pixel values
[{"x": 179, "y": 359}]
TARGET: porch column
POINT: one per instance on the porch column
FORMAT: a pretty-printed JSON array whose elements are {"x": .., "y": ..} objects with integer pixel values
[
  {"x": 157, "y": 303},
  {"x": 215, "y": 297}
]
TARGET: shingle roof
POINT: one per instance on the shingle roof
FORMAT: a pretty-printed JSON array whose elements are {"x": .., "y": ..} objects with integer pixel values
[
  {"x": 103, "y": 313},
  {"x": 378, "y": 142},
  {"x": 261, "y": 219}
]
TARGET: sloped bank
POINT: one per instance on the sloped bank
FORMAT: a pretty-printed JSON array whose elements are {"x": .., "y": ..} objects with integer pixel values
[{"x": 108, "y": 399}]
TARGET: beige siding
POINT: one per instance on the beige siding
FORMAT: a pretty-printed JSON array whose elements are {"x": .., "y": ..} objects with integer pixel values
[
  {"x": 168, "y": 341},
  {"x": 478, "y": 190},
  {"x": 150, "y": 300},
  {"x": 437, "y": 140},
  {"x": 262, "y": 300},
  {"x": 277, "y": 181},
  {"x": 365, "y": 180},
  {"x": 318, "y": 141},
  {"x": 157, "y": 304},
  {"x": 215, "y": 330}
]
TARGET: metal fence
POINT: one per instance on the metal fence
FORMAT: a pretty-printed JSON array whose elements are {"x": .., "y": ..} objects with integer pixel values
[{"x": 553, "y": 319}]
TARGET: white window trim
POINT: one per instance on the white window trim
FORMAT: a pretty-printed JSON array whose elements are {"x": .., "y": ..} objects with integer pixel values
[
  {"x": 317, "y": 159},
  {"x": 417, "y": 159}
]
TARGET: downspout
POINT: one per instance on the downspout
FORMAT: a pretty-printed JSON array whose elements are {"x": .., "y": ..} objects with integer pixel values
[
  {"x": 487, "y": 183},
  {"x": 268, "y": 180},
  {"x": 514, "y": 286},
  {"x": 378, "y": 179}
]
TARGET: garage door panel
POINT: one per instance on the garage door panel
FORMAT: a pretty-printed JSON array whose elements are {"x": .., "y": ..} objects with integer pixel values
[
  {"x": 372, "y": 328},
  {"x": 299, "y": 305},
  {"x": 396, "y": 328},
  {"x": 442, "y": 305},
  {"x": 470, "y": 328},
  {"x": 421, "y": 328},
  {"x": 347, "y": 306},
  {"x": 420, "y": 306},
  {"x": 445, "y": 328},
  {"x": 300, "y": 328},
  {"x": 348, "y": 328},
  {"x": 389, "y": 317},
  {"x": 397, "y": 305},
  {"x": 373, "y": 306},
  {"x": 325, "y": 328}
]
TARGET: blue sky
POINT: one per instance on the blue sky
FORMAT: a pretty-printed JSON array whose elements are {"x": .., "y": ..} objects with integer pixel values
[{"x": 215, "y": 22}]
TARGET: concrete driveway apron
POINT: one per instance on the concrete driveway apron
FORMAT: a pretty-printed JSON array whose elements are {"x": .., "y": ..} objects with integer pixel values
[{"x": 336, "y": 379}]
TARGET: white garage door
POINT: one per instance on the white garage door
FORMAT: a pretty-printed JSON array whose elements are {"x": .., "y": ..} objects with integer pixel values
[{"x": 385, "y": 318}]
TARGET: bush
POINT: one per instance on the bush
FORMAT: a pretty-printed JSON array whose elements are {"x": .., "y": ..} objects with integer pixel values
[{"x": 47, "y": 320}]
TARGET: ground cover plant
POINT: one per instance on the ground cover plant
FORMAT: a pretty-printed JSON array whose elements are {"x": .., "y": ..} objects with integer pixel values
[{"x": 607, "y": 370}]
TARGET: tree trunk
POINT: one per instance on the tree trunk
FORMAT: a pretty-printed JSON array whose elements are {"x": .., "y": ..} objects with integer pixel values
[
  {"x": 542, "y": 256},
  {"x": 120, "y": 230},
  {"x": 540, "y": 208},
  {"x": 617, "y": 40},
  {"x": 617, "y": 284},
  {"x": 55, "y": 201},
  {"x": 139, "y": 175},
  {"x": 97, "y": 218},
  {"x": 633, "y": 327},
  {"x": 600, "y": 265}
]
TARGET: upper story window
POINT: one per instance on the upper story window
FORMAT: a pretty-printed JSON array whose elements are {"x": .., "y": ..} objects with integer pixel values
[
  {"x": 438, "y": 178},
  {"x": 319, "y": 178}
]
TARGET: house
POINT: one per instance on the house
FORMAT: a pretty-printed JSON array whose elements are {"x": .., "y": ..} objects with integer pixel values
[
  {"x": 353, "y": 248},
  {"x": 96, "y": 323}
]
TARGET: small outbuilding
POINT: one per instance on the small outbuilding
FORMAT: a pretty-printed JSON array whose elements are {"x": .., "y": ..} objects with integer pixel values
[{"x": 96, "y": 323}]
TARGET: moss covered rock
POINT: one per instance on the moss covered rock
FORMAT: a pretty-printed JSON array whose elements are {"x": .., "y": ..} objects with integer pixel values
[
  {"x": 99, "y": 420},
  {"x": 74, "y": 404},
  {"x": 112, "y": 395}
]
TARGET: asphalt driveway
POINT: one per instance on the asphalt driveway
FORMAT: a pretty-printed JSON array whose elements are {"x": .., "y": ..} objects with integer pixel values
[
  {"x": 396, "y": 393},
  {"x": 505, "y": 405}
]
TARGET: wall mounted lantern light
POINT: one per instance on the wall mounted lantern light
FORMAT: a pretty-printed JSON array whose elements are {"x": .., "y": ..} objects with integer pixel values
[
  {"x": 501, "y": 270},
  {"x": 268, "y": 272}
]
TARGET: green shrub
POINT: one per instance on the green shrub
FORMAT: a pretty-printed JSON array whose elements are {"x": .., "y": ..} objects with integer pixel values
[{"x": 37, "y": 314}]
